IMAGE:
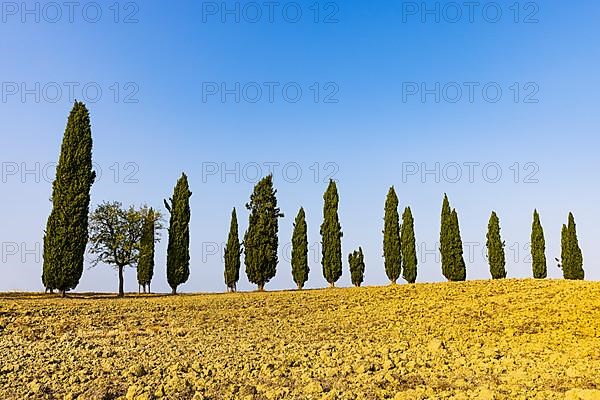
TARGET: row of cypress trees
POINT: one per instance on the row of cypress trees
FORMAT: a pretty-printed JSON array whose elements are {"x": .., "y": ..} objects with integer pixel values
[
  {"x": 399, "y": 248},
  {"x": 260, "y": 241},
  {"x": 66, "y": 234},
  {"x": 454, "y": 267}
]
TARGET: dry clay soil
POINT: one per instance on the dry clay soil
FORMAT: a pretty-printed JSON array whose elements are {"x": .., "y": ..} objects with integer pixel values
[{"x": 511, "y": 339}]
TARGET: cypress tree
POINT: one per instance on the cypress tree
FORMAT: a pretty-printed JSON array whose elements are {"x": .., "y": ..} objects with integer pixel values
[
  {"x": 66, "y": 233},
  {"x": 564, "y": 251},
  {"x": 409, "y": 250},
  {"x": 495, "y": 248},
  {"x": 331, "y": 236},
  {"x": 300, "y": 250},
  {"x": 260, "y": 240},
  {"x": 357, "y": 267},
  {"x": 572, "y": 258},
  {"x": 446, "y": 239},
  {"x": 178, "y": 249},
  {"x": 391, "y": 237},
  {"x": 232, "y": 255},
  {"x": 458, "y": 270},
  {"x": 538, "y": 248},
  {"x": 145, "y": 268}
]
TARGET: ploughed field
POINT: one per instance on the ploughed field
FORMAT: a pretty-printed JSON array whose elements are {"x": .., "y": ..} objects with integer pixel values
[{"x": 511, "y": 339}]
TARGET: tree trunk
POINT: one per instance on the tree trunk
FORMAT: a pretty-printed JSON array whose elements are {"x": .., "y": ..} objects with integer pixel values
[
  {"x": 148, "y": 288},
  {"x": 51, "y": 291},
  {"x": 299, "y": 286},
  {"x": 393, "y": 282},
  {"x": 174, "y": 291},
  {"x": 139, "y": 288},
  {"x": 331, "y": 284},
  {"x": 63, "y": 293},
  {"x": 121, "y": 291},
  {"x": 261, "y": 287}
]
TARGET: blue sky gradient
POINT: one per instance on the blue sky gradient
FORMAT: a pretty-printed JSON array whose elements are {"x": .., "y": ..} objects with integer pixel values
[{"x": 364, "y": 129}]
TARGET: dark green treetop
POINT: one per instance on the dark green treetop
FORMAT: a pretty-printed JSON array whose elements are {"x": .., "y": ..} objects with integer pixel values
[
  {"x": 409, "y": 249},
  {"x": 458, "y": 270},
  {"x": 357, "y": 267},
  {"x": 392, "y": 253},
  {"x": 232, "y": 254},
  {"x": 446, "y": 238},
  {"x": 178, "y": 248},
  {"x": 260, "y": 240},
  {"x": 331, "y": 236},
  {"x": 538, "y": 248},
  {"x": 66, "y": 234},
  {"x": 495, "y": 248},
  {"x": 572, "y": 258},
  {"x": 145, "y": 268},
  {"x": 300, "y": 250}
]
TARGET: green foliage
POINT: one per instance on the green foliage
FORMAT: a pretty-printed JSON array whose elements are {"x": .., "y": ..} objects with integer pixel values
[
  {"x": 495, "y": 248},
  {"x": 357, "y": 267},
  {"x": 409, "y": 249},
  {"x": 178, "y": 249},
  {"x": 300, "y": 250},
  {"x": 66, "y": 234},
  {"x": 459, "y": 269},
  {"x": 117, "y": 235},
  {"x": 331, "y": 236},
  {"x": 233, "y": 251},
  {"x": 260, "y": 240},
  {"x": 453, "y": 263},
  {"x": 445, "y": 239},
  {"x": 145, "y": 268},
  {"x": 538, "y": 248},
  {"x": 391, "y": 237},
  {"x": 451, "y": 249},
  {"x": 572, "y": 258}
]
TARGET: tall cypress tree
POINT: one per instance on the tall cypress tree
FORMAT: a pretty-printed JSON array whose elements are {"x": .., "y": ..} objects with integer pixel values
[
  {"x": 331, "y": 236},
  {"x": 178, "y": 249},
  {"x": 391, "y": 237},
  {"x": 572, "y": 258},
  {"x": 260, "y": 240},
  {"x": 66, "y": 234},
  {"x": 232, "y": 255},
  {"x": 538, "y": 248},
  {"x": 495, "y": 248},
  {"x": 446, "y": 238},
  {"x": 300, "y": 250},
  {"x": 145, "y": 268},
  {"x": 576, "y": 250},
  {"x": 356, "y": 260},
  {"x": 409, "y": 250},
  {"x": 565, "y": 257},
  {"x": 458, "y": 269}
]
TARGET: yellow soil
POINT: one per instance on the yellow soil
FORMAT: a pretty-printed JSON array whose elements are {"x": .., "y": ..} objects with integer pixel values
[{"x": 511, "y": 339}]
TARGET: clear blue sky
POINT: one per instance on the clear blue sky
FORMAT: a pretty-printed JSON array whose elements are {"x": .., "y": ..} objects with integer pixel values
[{"x": 379, "y": 104}]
